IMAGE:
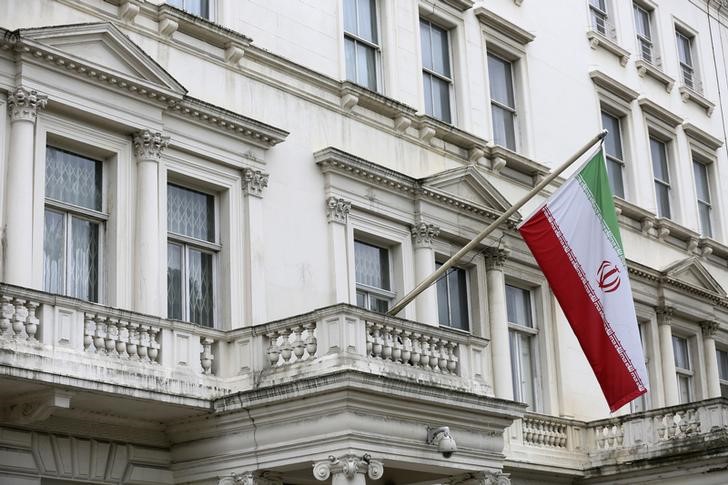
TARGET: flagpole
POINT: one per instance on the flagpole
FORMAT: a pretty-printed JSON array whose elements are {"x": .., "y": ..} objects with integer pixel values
[{"x": 484, "y": 233}]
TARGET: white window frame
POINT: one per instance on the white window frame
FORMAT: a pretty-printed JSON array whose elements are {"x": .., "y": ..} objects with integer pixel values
[
  {"x": 685, "y": 373},
  {"x": 533, "y": 339},
  {"x": 621, "y": 120},
  {"x": 449, "y": 80},
  {"x": 668, "y": 144},
  {"x": 512, "y": 63},
  {"x": 653, "y": 40},
  {"x": 604, "y": 15},
  {"x": 694, "y": 83},
  {"x": 211, "y": 8},
  {"x": 644, "y": 402},
  {"x": 468, "y": 301},
  {"x": 722, "y": 379},
  {"x": 708, "y": 166},
  {"x": 370, "y": 292},
  {"x": 377, "y": 47}
]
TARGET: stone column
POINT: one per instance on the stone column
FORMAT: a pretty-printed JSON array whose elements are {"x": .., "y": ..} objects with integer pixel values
[
  {"x": 148, "y": 147},
  {"x": 337, "y": 214},
  {"x": 669, "y": 379},
  {"x": 711, "y": 359},
  {"x": 252, "y": 478},
  {"x": 426, "y": 303},
  {"x": 480, "y": 478},
  {"x": 254, "y": 182},
  {"x": 498, "y": 312},
  {"x": 23, "y": 107},
  {"x": 348, "y": 469}
]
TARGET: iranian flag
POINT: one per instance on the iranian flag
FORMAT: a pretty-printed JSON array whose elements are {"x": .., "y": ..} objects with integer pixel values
[{"x": 575, "y": 238}]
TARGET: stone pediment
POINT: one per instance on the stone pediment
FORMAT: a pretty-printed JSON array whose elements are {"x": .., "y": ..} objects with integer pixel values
[
  {"x": 692, "y": 273},
  {"x": 103, "y": 48},
  {"x": 470, "y": 185}
]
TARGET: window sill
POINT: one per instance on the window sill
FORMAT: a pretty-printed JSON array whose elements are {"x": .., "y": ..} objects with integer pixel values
[
  {"x": 688, "y": 94},
  {"x": 598, "y": 40},
  {"x": 644, "y": 68}
]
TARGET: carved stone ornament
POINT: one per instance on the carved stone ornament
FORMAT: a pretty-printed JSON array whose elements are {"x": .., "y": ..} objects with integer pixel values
[
  {"x": 348, "y": 465},
  {"x": 148, "y": 145},
  {"x": 664, "y": 315},
  {"x": 24, "y": 104},
  {"x": 481, "y": 478},
  {"x": 423, "y": 234},
  {"x": 495, "y": 258},
  {"x": 709, "y": 328},
  {"x": 337, "y": 209},
  {"x": 252, "y": 478},
  {"x": 254, "y": 181}
]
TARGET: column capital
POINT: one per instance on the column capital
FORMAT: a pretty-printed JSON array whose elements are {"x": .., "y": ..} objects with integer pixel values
[
  {"x": 148, "y": 145},
  {"x": 495, "y": 258},
  {"x": 252, "y": 478},
  {"x": 664, "y": 315},
  {"x": 423, "y": 234},
  {"x": 348, "y": 465},
  {"x": 480, "y": 478},
  {"x": 709, "y": 328},
  {"x": 254, "y": 181},
  {"x": 24, "y": 104},
  {"x": 337, "y": 209}
]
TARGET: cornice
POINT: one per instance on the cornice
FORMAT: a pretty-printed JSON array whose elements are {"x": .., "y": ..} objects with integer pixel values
[
  {"x": 701, "y": 136},
  {"x": 660, "y": 278},
  {"x": 613, "y": 86},
  {"x": 598, "y": 40},
  {"x": 662, "y": 114},
  {"x": 644, "y": 68},
  {"x": 688, "y": 94},
  {"x": 494, "y": 21}
]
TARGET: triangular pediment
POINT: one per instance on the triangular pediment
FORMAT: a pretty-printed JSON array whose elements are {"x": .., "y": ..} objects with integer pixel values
[
  {"x": 691, "y": 272},
  {"x": 468, "y": 184},
  {"x": 104, "y": 48}
]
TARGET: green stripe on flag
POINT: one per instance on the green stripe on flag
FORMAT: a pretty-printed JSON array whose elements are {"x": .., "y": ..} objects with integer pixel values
[{"x": 596, "y": 181}]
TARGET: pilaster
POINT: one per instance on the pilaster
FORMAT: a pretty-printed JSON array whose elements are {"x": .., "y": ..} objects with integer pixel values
[
  {"x": 423, "y": 234},
  {"x": 148, "y": 148},
  {"x": 254, "y": 182},
  {"x": 348, "y": 469},
  {"x": 669, "y": 379},
  {"x": 23, "y": 108},
  {"x": 337, "y": 215},
  {"x": 709, "y": 328},
  {"x": 499, "y": 343}
]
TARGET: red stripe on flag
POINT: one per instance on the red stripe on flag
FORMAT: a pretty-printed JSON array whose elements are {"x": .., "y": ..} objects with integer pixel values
[{"x": 613, "y": 376}]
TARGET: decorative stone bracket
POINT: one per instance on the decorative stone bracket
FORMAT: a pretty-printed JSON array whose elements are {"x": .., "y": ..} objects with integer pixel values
[
  {"x": 337, "y": 209},
  {"x": 24, "y": 104},
  {"x": 148, "y": 145},
  {"x": 254, "y": 181},
  {"x": 36, "y": 407},
  {"x": 348, "y": 466}
]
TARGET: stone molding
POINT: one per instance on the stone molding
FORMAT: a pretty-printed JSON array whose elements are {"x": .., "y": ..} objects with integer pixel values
[
  {"x": 252, "y": 478},
  {"x": 24, "y": 104},
  {"x": 337, "y": 209},
  {"x": 709, "y": 328},
  {"x": 254, "y": 181},
  {"x": 495, "y": 258},
  {"x": 149, "y": 145},
  {"x": 423, "y": 234},
  {"x": 348, "y": 465}
]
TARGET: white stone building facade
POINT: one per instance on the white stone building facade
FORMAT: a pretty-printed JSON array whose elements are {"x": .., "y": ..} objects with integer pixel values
[{"x": 208, "y": 205}]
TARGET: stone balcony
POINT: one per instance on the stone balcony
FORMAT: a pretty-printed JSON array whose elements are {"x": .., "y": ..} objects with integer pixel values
[{"x": 600, "y": 451}]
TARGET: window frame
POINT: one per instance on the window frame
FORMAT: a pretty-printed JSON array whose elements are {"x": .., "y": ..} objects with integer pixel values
[
  {"x": 532, "y": 334},
  {"x": 666, "y": 143},
  {"x": 694, "y": 82},
  {"x": 372, "y": 291},
  {"x": 722, "y": 379},
  {"x": 442, "y": 77},
  {"x": 498, "y": 54},
  {"x": 621, "y": 163},
  {"x": 598, "y": 13},
  {"x": 708, "y": 167},
  {"x": 685, "y": 373},
  {"x": 652, "y": 41},
  {"x": 468, "y": 294},
  {"x": 375, "y": 46},
  {"x": 210, "y": 8}
]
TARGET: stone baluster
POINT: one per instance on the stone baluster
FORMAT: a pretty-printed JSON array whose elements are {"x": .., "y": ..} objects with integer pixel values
[
  {"x": 452, "y": 363},
  {"x": 100, "y": 334},
  {"x": 406, "y": 346},
  {"x": 426, "y": 351},
  {"x": 274, "y": 351},
  {"x": 310, "y": 342},
  {"x": 397, "y": 345},
  {"x": 206, "y": 356},
  {"x": 416, "y": 357},
  {"x": 32, "y": 323},
  {"x": 286, "y": 347},
  {"x": 133, "y": 346},
  {"x": 154, "y": 344},
  {"x": 112, "y": 335},
  {"x": 298, "y": 346},
  {"x": 143, "y": 348},
  {"x": 442, "y": 364},
  {"x": 377, "y": 341},
  {"x": 7, "y": 311},
  {"x": 123, "y": 339},
  {"x": 387, "y": 342},
  {"x": 89, "y": 328},
  {"x": 19, "y": 318},
  {"x": 370, "y": 338}
]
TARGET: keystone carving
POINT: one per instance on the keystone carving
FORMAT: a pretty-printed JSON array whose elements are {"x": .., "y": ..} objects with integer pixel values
[
  {"x": 423, "y": 234},
  {"x": 148, "y": 145},
  {"x": 24, "y": 105},
  {"x": 252, "y": 478},
  {"x": 348, "y": 465},
  {"x": 709, "y": 328},
  {"x": 254, "y": 181},
  {"x": 495, "y": 258},
  {"x": 337, "y": 209}
]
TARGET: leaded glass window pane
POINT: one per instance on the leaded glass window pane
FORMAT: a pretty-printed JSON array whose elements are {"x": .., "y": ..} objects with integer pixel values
[
  {"x": 190, "y": 213},
  {"x": 200, "y": 287},
  {"x": 371, "y": 265},
  {"x": 84, "y": 259},
  {"x": 73, "y": 179},
  {"x": 54, "y": 251},
  {"x": 518, "y": 304},
  {"x": 174, "y": 281}
]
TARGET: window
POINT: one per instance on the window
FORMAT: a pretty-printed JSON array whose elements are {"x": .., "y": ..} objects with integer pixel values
[
  {"x": 502, "y": 101},
  {"x": 685, "y": 55},
  {"x": 191, "y": 255},
  {"x": 702, "y": 192},
  {"x": 522, "y": 336},
  {"x": 683, "y": 368},
  {"x": 722, "y": 357},
  {"x": 74, "y": 224},
  {"x": 642, "y": 402},
  {"x": 643, "y": 27},
  {"x": 436, "y": 72},
  {"x": 361, "y": 42},
  {"x": 373, "y": 287},
  {"x": 614, "y": 152},
  {"x": 201, "y": 8},
  {"x": 452, "y": 298},
  {"x": 658, "y": 151},
  {"x": 598, "y": 11}
]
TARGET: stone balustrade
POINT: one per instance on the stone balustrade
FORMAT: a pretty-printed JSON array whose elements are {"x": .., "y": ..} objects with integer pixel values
[
  {"x": 546, "y": 431},
  {"x": 291, "y": 344},
  {"x": 18, "y": 320},
  {"x": 608, "y": 436}
]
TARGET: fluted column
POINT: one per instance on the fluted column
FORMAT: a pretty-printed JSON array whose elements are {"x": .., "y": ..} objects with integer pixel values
[
  {"x": 669, "y": 379},
  {"x": 148, "y": 147},
  {"x": 337, "y": 215},
  {"x": 499, "y": 344},
  {"x": 254, "y": 183},
  {"x": 23, "y": 108},
  {"x": 711, "y": 359},
  {"x": 348, "y": 469},
  {"x": 426, "y": 303}
]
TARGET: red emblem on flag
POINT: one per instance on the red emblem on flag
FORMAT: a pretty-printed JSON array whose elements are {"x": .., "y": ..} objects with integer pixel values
[{"x": 608, "y": 277}]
